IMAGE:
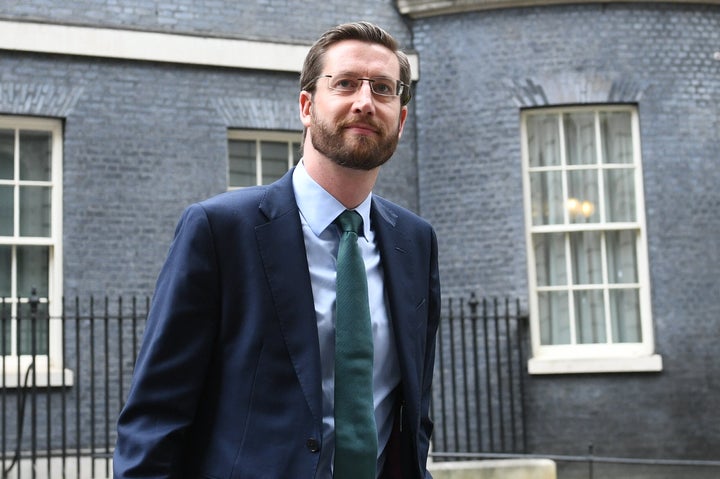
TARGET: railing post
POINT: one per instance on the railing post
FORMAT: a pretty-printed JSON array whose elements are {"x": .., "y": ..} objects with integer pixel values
[
  {"x": 34, "y": 301},
  {"x": 473, "y": 304},
  {"x": 453, "y": 381},
  {"x": 5, "y": 318},
  {"x": 522, "y": 325},
  {"x": 464, "y": 368},
  {"x": 488, "y": 380}
]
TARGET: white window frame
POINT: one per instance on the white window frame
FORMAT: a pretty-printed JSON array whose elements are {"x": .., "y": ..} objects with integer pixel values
[
  {"x": 259, "y": 136},
  {"x": 590, "y": 358},
  {"x": 50, "y": 363}
]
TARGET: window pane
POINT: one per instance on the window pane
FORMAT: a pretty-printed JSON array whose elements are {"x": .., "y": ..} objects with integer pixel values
[
  {"x": 583, "y": 196},
  {"x": 274, "y": 161},
  {"x": 35, "y": 147},
  {"x": 617, "y": 137},
  {"x": 7, "y": 205},
  {"x": 547, "y": 198},
  {"x": 32, "y": 270},
  {"x": 7, "y": 150},
  {"x": 550, "y": 257},
  {"x": 33, "y": 325},
  {"x": 5, "y": 271},
  {"x": 625, "y": 315},
  {"x": 554, "y": 318},
  {"x": 543, "y": 140},
  {"x": 5, "y": 327},
  {"x": 35, "y": 211},
  {"x": 621, "y": 256},
  {"x": 590, "y": 317},
  {"x": 620, "y": 195},
  {"x": 586, "y": 257},
  {"x": 579, "y": 129},
  {"x": 242, "y": 163}
]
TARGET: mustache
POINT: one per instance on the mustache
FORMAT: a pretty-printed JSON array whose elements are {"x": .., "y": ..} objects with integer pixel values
[{"x": 369, "y": 122}]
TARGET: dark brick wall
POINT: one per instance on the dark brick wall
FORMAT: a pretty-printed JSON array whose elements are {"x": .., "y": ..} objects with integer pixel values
[
  {"x": 273, "y": 20},
  {"x": 479, "y": 70}
]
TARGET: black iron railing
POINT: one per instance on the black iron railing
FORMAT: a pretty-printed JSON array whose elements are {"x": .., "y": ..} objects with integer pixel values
[
  {"x": 59, "y": 397},
  {"x": 478, "y": 391},
  {"x": 59, "y": 400}
]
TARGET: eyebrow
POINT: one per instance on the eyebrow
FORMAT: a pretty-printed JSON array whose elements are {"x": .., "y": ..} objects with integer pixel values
[{"x": 357, "y": 75}]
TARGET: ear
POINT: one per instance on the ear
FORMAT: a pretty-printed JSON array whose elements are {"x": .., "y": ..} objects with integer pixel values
[
  {"x": 305, "y": 106},
  {"x": 403, "y": 117}
]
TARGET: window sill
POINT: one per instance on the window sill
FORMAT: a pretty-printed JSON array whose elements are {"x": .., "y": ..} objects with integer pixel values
[
  {"x": 42, "y": 378},
  {"x": 538, "y": 366}
]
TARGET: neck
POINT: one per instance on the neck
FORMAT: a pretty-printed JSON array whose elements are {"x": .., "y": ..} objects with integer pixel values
[{"x": 349, "y": 186}]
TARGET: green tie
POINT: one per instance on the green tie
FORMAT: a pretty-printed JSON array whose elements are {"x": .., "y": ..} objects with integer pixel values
[{"x": 355, "y": 431}]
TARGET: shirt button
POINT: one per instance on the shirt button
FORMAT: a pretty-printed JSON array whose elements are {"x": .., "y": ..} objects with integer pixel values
[{"x": 312, "y": 444}]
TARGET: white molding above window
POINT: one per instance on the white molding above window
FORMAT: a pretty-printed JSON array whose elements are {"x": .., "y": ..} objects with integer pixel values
[
  {"x": 431, "y": 8},
  {"x": 156, "y": 46}
]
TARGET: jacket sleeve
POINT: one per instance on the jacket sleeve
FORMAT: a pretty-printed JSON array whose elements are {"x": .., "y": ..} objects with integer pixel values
[
  {"x": 426, "y": 425},
  {"x": 174, "y": 356}
]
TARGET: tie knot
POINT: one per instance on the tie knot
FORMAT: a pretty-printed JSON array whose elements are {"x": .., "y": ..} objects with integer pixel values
[{"x": 350, "y": 221}]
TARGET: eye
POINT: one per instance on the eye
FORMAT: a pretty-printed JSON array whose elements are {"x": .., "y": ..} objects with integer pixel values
[
  {"x": 384, "y": 87},
  {"x": 345, "y": 84}
]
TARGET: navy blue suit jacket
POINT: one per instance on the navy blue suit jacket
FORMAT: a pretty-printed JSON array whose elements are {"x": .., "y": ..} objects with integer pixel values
[{"x": 227, "y": 382}]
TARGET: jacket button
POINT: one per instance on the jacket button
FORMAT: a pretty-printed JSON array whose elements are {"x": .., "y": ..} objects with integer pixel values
[{"x": 313, "y": 445}]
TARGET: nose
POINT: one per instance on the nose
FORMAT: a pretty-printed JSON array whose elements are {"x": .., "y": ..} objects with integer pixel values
[{"x": 364, "y": 100}]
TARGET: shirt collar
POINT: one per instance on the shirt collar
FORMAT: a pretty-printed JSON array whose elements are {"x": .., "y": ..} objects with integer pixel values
[{"x": 320, "y": 208}]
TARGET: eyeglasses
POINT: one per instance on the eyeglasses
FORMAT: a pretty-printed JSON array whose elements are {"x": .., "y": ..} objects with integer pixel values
[{"x": 385, "y": 87}]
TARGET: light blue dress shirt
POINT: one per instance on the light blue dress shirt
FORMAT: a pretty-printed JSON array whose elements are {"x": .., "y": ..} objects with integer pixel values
[{"x": 318, "y": 210}]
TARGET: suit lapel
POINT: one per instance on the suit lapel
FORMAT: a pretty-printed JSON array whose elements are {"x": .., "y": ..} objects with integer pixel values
[
  {"x": 395, "y": 247},
  {"x": 282, "y": 249}
]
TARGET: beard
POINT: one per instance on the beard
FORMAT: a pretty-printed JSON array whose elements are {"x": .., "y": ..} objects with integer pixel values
[{"x": 359, "y": 152}]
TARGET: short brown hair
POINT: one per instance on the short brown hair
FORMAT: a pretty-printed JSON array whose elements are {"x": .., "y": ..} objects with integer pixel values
[{"x": 363, "y": 31}]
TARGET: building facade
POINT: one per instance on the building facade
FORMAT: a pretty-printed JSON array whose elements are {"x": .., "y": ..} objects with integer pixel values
[
  {"x": 526, "y": 113},
  {"x": 567, "y": 154}
]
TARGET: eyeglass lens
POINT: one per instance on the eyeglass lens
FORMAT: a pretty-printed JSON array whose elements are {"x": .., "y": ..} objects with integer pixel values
[{"x": 350, "y": 84}]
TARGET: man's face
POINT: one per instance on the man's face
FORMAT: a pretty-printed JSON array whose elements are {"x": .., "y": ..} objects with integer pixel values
[{"x": 359, "y": 130}]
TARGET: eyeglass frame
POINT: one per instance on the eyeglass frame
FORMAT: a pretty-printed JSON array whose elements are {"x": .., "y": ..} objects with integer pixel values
[{"x": 401, "y": 87}]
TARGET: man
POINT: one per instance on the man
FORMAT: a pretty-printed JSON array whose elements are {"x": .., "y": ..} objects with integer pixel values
[{"x": 236, "y": 376}]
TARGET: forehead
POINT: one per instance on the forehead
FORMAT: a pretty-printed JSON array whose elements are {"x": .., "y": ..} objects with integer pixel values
[{"x": 363, "y": 58}]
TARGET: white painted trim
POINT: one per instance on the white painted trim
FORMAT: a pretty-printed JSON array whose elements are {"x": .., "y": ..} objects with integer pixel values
[
  {"x": 149, "y": 46},
  {"x": 433, "y": 8},
  {"x": 58, "y": 378},
  {"x": 601, "y": 357},
  {"x": 54, "y": 241},
  {"x": 652, "y": 363},
  {"x": 17, "y": 373},
  {"x": 527, "y": 468},
  {"x": 156, "y": 46}
]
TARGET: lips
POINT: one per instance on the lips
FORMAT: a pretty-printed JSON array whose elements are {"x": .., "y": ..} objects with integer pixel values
[{"x": 362, "y": 128}]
